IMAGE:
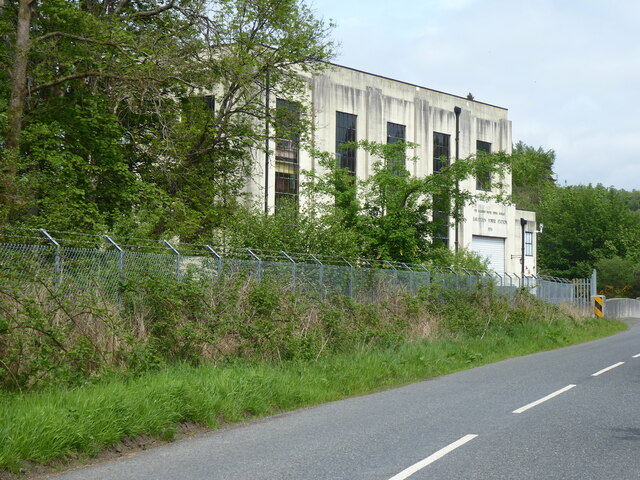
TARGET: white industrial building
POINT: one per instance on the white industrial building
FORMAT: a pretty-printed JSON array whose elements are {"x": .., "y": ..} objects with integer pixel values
[{"x": 348, "y": 105}]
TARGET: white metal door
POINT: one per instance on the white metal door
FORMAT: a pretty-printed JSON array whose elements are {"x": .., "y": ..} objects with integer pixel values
[{"x": 491, "y": 248}]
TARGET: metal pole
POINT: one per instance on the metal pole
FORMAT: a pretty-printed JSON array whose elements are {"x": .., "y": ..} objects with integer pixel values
[
  {"x": 293, "y": 269},
  {"x": 428, "y": 274},
  {"x": 218, "y": 260},
  {"x": 267, "y": 119},
  {"x": 57, "y": 259},
  {"x": 412, "y": 287},
  {"x": 510, "y": 279},
  {"x": 523, "y": 224},
  {"x": 177, "y": 253},
  {"x": 457, "y": 111},
  {"x": 321, "y": 279},
  {"x": 468, "y": 274},
  {"x": 259, "y": 272},
  {"x": 350, "y": 287},
  {"x": 455, "y": 276},
  {"x": 120, "y": 266},
  {"x": 395, "y": 273}
]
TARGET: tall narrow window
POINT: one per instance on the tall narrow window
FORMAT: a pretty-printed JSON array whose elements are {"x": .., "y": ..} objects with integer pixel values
[
  {"x": 346, "y": 132},
  {"x": 287, "y": 154},
  {"x": 198, "y": 109},
  {"x": 528, "y": 244},
  {"x": 441, "y": 212},
  {"x": 483, "y": 174},
  {"x": 440, "y": 151},
  {"x": 210, "y": 102},
  {"x": 396, "y": 133},
  {"x": 441, "y": 203}
]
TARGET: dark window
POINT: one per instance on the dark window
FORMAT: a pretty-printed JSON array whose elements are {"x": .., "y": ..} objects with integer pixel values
[
  {"x": 483, "y": 174},
  {"x": 441, "y": 212},
  {"x": 528, "y": 244},
  {"x": 346, "y": 132},
  {"x": 210, "y": 102},
  {"x": 396, "y": 133},
  {"x": 440, "y": 151},
  {"x": 287, "y": 153},
  {"x": 198, "y": 108}
]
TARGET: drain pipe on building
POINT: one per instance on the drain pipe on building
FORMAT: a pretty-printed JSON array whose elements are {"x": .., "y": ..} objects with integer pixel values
[
  {"x": 267, "y": 119},
  {"x": 457, "y": 111},
  {"x": 523, "y": 223}
]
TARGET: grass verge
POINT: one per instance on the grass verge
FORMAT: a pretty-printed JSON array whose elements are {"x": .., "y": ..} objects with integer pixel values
[{"x": 43, "y": 426}]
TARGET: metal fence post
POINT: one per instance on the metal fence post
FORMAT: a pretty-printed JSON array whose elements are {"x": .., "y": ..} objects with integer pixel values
[
  {"x": 293, "y": 269},
  {"x": 395, "y": 273},
  {"x": 373, "y": 283},
  {"x": 259, "y": 272},
  {"x": 428, "y": 274},
  {"x": 500, "y": 277},
  {"x": 510, "y": 279},
  {"x": 468, "y": 281},
  {"x": 455, "y": 277},
  {"x": 120, "y": 267},
  {"x": 519, "y": 279},
  {"x": 412, "y": 286},
  {"x": 177, "y": 253},
  {"x": 321, "y": 279},
  {"x": 350, "y": 287},
  {"x": 57, "y": 265},
  {"x": 594, "y": 283},
  {"x": 218, "y": 260}
]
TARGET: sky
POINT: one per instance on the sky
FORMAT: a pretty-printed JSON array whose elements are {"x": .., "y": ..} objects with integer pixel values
[{"x": 568, "y": 71}]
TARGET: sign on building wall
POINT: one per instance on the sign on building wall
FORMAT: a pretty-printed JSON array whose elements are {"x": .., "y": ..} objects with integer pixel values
[{"x": 490, "y": 220}]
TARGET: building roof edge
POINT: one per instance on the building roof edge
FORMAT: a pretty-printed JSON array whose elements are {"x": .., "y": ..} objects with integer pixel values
[{"x": 414, "y": 85}]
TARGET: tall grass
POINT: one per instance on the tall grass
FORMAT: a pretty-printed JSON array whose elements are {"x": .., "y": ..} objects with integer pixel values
[{"x": 53, "y": 423}]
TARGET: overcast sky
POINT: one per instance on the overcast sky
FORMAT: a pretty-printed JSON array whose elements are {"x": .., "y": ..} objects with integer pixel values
[{"x": 567, "y": 70}]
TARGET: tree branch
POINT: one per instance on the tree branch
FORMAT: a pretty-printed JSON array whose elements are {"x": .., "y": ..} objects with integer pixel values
[
  {"x": 151, "y": 13},
  {"x": 117, "y": 46},
  {"x": 120, "y": 6},
  {"x": 77, "y": 76}
]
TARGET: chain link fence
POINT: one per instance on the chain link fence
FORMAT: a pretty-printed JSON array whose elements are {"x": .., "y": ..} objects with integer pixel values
[{"x": 73, "y": 262}]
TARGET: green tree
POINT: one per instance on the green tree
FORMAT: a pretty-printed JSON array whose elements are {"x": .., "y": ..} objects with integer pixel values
[
  {"x": 145, "y": 112},
  {"x": 94, "y": 62},
  {"x": 582, "y": 225},
  {"x": 391, "y": 212},
  {"x": 632, "y": 198},
  {"x": 618, "y": 277},
  {"x": 532, "y": 175}
]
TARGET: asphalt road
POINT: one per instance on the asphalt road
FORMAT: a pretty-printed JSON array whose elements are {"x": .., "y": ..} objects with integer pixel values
[{"x": 543, "y": 416}]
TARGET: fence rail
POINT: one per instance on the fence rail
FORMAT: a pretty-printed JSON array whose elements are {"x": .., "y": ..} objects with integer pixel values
[{"x": 77, "y": 262}]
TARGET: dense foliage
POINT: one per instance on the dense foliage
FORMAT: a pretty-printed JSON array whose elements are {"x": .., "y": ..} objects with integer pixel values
[
  {"x": 51, "y": 337},
  {"x": 138, "y": 116},
  {"x": 585, "y": 226}
]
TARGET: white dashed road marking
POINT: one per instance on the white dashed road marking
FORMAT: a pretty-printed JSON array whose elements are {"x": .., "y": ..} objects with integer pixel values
[
  {"x": 611, "y": 367},
  {"x": 543, "y": 399},
  {"x": 407, "y": 472}
]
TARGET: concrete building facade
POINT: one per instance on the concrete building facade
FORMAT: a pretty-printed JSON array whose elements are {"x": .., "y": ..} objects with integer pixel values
[{"x": 348, "y": 104}]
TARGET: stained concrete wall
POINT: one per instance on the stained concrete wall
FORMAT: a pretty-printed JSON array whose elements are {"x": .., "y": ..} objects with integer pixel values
[
  {"x": 376, "y": 100},
  {"x": 622, "y": 308}
]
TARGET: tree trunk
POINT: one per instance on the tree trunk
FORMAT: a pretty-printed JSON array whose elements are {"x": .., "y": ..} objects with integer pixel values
[{"x": 18, "y": 78}]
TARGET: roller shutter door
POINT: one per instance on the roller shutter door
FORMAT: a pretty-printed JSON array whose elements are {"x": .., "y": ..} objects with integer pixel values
[{"x": 491, "y": 248}]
